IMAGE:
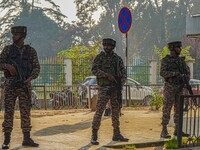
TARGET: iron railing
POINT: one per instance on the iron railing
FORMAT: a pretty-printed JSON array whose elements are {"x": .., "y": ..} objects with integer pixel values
[{"x": 189, "y": 122}]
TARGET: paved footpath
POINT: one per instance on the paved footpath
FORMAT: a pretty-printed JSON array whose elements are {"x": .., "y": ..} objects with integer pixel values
[{"x": 71, "y": 130}]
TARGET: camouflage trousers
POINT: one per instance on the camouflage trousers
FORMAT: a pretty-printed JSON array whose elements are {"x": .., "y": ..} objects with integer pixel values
[
  {"x": 9, "y": 104},
  {"x": 104, "y": 95},
  {"x": 171, "y": 96}
]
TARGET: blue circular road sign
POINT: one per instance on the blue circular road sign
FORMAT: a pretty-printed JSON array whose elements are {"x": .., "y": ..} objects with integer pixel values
[{"x": 124, "y": 20}]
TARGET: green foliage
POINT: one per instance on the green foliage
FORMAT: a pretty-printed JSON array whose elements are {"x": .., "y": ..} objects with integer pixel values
[
  {"x": 130, "y": 147},
  {"x": 190, "y": 140},
  {"x": 161, "y": 53},
  {"x": 171, "y": 144},
  {"x": 156, "y": 101},
  {"x": 81, "y": 57},
  {"x": 45, "y": 24},
  {"x": 184, "y": 53}
]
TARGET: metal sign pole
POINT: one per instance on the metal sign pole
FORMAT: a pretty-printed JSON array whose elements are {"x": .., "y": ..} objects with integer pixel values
[
  {"x": 127, "y": 103},
  {"x": 124, "y": 24}
]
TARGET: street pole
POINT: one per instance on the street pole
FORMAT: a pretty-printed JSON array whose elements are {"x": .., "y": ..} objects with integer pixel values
[{"x": 127, "y": 103}]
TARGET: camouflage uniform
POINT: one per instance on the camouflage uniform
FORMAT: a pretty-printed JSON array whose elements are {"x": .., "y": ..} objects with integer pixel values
[
  {"x": 12, "y": 93},
  {"x": 103, "y": 65},
  {"x": 172, "y": 70},
  {"x": 105, "y": 92},
  {"x": 26, "y": 58}
]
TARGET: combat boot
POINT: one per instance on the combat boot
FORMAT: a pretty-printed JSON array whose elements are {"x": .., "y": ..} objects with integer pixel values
[
  {"x": 6, "y": 143},
  {"x": 164, "y": 133},
  {"x": 118, "y": 137},
  {"x": 28, "y": 141},
  {"x": 183, "y": 133},
  {"x": 94, "y": 137}
]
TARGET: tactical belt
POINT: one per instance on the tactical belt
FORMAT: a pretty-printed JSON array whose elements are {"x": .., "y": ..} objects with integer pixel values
[
  {"x": 106, "y": 85},
  {"x": 174, "y": 81}
]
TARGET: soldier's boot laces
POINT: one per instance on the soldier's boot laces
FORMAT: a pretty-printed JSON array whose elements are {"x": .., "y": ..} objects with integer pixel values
[
  {"x": 28, "y": 141},
  {"x": 118, "y": 137},
  {"x": 94, "y": 138},
  {"x": 164, "y": 133},
  {"x": 6, "y": 143}
]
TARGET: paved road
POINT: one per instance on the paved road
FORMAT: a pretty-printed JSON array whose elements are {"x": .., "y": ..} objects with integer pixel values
[{"x": 71, "y": 130}]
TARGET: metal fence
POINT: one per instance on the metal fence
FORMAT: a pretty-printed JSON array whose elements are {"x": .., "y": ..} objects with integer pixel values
[
  {"x": 139, "y": 69},
  {"x": 196, "y": 69},
  {"x": 190, "y": 121},
  {"x": 51, "y": 72},
  {"x": 79, "y": 96}
]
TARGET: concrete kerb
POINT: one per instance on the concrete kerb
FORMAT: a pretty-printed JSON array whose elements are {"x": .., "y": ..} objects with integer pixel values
[{"x": 138, "y": 145}]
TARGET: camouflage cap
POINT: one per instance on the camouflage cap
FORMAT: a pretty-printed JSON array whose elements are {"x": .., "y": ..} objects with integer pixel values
[
  {"x": 109, "y": 41},
  {"x": 19, "y": 29},
  {"x": 174, "y": 44}
]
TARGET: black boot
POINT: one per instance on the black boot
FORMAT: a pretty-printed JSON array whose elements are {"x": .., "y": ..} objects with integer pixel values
[
  {"x": 164, "y": 133},
  {"x": 183, "y": 133},
  {"x": 6, "y": 143},
  {"x": 28, "y": 141},
  {"x": 94, "y": 137},
  {"x": 118, "y": 137}
]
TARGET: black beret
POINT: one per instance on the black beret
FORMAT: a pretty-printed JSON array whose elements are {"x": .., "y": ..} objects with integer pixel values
[
  {"x": 109, "y": 41},
  {"x": 19, "y": 29},
  {"x": 174, "y": 44}
]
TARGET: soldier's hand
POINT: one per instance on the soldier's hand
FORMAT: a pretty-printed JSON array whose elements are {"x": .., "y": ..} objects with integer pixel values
[
  {"x": 11, "y": 69},
  {"x": 111, "y": 78}
]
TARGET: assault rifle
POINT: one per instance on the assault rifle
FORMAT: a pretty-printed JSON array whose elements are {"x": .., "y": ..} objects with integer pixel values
[
  {"x": 189, "y": 88},
  {"x": 187, "y": 84},
  {"x": 118, "y": 86},
  {"x": 19, "y": 80}
]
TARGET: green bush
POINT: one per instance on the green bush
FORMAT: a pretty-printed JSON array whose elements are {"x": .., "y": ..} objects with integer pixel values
[
  {"x": 131, "y": 147},
  {"x": 156, "y": 101},
  {"x": 171, "y": 144}
]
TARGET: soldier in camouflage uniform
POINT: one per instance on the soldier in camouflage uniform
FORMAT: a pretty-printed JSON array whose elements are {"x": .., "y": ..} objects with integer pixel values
[
  {"x": 26, "y": 58},
  {"x": 107, "y": 66},
  {"x": 173, "y": 68}
]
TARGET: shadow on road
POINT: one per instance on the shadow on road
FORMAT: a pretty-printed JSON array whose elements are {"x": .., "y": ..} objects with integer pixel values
[
  {"x": 88, "y": 146},
  {"x": 63, "y": 129}
]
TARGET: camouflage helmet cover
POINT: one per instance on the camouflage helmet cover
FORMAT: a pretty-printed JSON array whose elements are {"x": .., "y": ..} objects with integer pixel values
[
  {"x": 172, "y": 45},
  {"x": 108, "y": 41},
  {"x": 19, "y": 29}
]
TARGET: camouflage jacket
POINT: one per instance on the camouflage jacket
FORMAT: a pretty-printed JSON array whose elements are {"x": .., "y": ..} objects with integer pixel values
[
  {"x": 97, "y": 66},
  {"x": 33, "y": 60},
  {"x": 172, "y": 69}
]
